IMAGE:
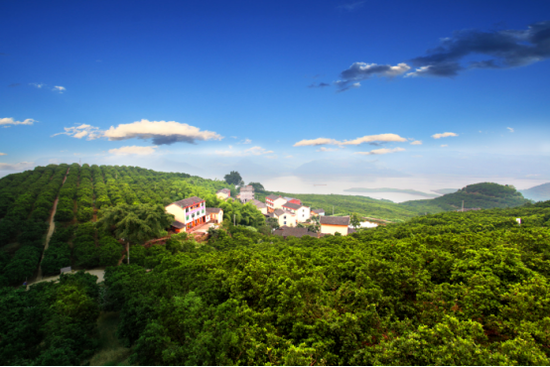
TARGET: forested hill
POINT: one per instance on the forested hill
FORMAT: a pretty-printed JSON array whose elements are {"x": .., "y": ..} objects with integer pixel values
[
  {"x": 538, "y": 193},
  {"x": 484, "y": 195}
]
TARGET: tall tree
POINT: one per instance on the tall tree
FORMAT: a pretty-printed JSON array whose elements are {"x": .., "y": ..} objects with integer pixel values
[
  {"x": 233, "y": 178},
  {"x": 135, "y": 223}
]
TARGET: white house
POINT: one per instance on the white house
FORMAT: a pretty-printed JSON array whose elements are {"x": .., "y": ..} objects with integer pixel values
[
  {"x": 285, "y": 218},
  {"x": 188, "y": 213},
  {"x": 301, "y": 212},
  {"x": 261, "y": 206},
  {"x": 274, "y": 202}
]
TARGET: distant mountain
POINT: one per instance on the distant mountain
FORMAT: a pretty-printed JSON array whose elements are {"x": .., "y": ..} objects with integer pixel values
[
  {"x": 386, "y": 189},
  {"x": 484, "y": 195},
  {"x": 538, "y": 193}
]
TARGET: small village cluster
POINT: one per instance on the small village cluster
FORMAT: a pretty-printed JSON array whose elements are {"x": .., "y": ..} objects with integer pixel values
[{"x": 192, "y": 213}]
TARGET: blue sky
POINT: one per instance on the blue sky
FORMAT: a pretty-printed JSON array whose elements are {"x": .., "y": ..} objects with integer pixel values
[{"x": 209, "y": 87}]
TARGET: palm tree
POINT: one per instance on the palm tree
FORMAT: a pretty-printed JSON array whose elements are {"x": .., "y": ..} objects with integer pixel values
[{"x": 135, "y": 224}]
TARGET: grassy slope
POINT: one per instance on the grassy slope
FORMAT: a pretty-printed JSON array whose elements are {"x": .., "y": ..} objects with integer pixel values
[{"x": 484, "y": 195}]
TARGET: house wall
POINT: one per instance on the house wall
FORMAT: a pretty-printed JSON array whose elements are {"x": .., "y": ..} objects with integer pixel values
[
  {"x": 332, "y": 229},
  {"x": 222, "y": 196},
  {"x": 303, "y": 214},
  {"x": 287, "y": 219},
  {"x": 178, "y": 212}
]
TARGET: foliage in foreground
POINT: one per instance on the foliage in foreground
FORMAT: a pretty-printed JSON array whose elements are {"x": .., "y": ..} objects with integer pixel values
[{"x": 454, "y": 289}]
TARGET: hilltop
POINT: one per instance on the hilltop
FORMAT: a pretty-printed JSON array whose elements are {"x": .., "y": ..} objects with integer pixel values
[
  {"x": 538, "y": 193},
  {"x": 485, "y": 195}
]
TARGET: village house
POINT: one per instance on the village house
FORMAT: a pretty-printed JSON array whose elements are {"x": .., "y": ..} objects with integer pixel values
[
  {"x": 292, "y": 200},
  {"x": 223, "y": 194},
  {"x": 284, "y": 218},
  {"x": 246, "y": 194},
  {"x": 331, "y": 225},
  {"x": 189, "y": 213},
  {"x": 214, "y": 215},
  {"x": 301, "y": 212},
  {"x": 317, "y": 212},
  {"x": 260, "y": 206},
  {"x": 274, "y": 202}
]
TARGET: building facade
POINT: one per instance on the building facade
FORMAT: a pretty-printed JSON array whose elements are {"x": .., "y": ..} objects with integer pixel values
[
  {"x": 274, "y": 202},
  {"x": 189, "y": 213},
  {"x": 246, "y": 194},
  {"x": 332, "y": 225},
  {"x": 223, "y": 194}
]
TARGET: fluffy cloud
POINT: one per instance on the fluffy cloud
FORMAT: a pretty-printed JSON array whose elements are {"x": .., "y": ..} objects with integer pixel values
[
  {"x": 16, "y": 167},
  {"x": 3, "y": 154},
  {"x": 161, "y": 132},
  {"x": 84, "y": 130},
  {"x": 246, "y": 141},
  {"x": 59, "y": 89},
  {"x": 511, "y": 129},
  {"x": 10, "y": 121},
  {"x": 133, "y": 150},
  {"x": 381, "y": 151},
  {"x": 37, "y": 85},
  {"x": 416, "y": 142},
  {"x": 314, "y": 142},
  {"x": 374, "y": 138},
  {"x": 443, "y": 135},
  {"x": 325, "y": 149},
  {"x": 365, "y": 139},
  {"x": 497, "y": 49}
]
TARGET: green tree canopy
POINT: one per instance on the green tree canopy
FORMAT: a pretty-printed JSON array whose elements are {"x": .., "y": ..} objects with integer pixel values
[
  {"x": 233, "y": 178},
  {"x": 135, "y": 223}
]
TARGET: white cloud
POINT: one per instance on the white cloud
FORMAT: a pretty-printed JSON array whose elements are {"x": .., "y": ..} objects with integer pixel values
[
  {"x": 16, "y": 167},
  {"x": 246, "y": 141},
  {"x": 3, "y": 154},
  {"x": 423, "y": 70},
  {"x": 325, "y": 149},
  {"x": 381, "y": 151},
  {"x": 59, "y": 89},
  {"x": 84, "y": 130},
  {"x": 444, "y": 145},
  {"x": 37, "y": 85},
  {"x": 511, "y": 129},
  {"x": 443, "y": 135},
  {"x": 314, "y": 142},
  {"x": 289, "y": 156},
  {"x": 257, "y": 150},
  {"x": 416, "y": 142},
  {"x": 161, "y": 132},
  {"x": 133, "y": 150},
  {"x": 364, "y": 139},
  {"x": 11, "y": 121},
  {"x": 373, "y": 138}
]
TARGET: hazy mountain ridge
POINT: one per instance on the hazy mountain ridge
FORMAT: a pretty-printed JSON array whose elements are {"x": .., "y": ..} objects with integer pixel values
[{"x": 538, "y": 193}]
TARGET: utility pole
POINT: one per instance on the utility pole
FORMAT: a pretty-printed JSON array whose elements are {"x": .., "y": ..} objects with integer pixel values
[
  {"x": 462, "y": 205},
  {"x": 233, "y": 220}
]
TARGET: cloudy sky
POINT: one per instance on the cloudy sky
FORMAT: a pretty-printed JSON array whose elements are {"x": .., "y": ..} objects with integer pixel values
[{"x": 423, "y": 94}]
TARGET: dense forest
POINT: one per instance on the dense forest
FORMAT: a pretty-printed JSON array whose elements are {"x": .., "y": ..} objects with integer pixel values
[{"x": 454, "y": 288}]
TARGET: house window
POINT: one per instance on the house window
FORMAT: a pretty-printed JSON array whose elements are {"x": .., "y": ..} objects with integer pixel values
[
  {"x": 187, "y": 217},
  {"x": 284, "y": 218},
  {"x": 285, "y": 222}
]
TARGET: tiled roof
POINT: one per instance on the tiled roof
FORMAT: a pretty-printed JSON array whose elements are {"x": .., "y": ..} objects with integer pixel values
[
  {"x": 213, "y": 210},
  {"x": 292, "y": 206},
  {"x": 317, "y": 211},
  {"x": 189, "y": 201},
  {"x": 259, "y": 204},
  {"x": 279, "y": 212},
  {"x": 293, "y": 231},
  {"x": 272, "y": 197},
  {"x": 178, "y": 224},
  {"x": 337, "y": 221},
  {"x": 225, "y": 191}
]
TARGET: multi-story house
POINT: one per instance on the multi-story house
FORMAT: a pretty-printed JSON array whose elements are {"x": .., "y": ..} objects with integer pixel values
[
  {"x": 261, "y": 206},
  {"x": 246, "y": 194},
  {"x": 189, "y": 213},
  {"x": 274, "y": 202},
  {"x": 301, "y": 212},
  {"x": 285, "y": 218}
]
